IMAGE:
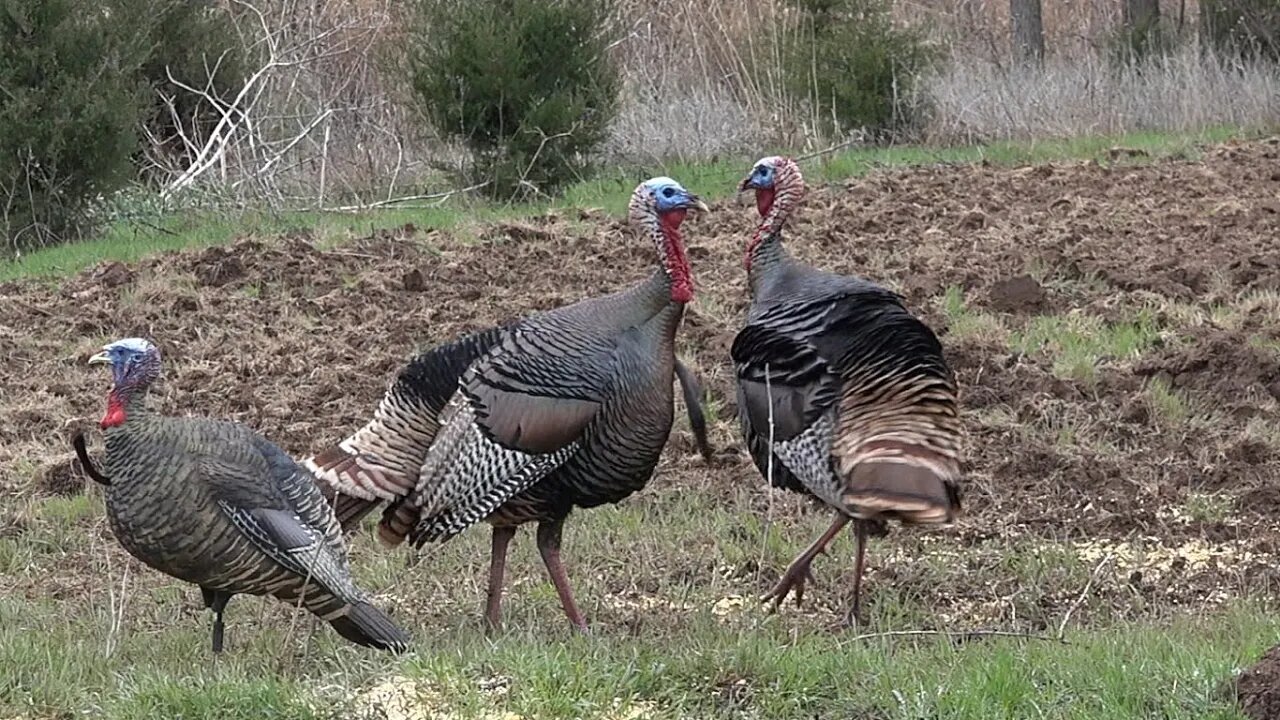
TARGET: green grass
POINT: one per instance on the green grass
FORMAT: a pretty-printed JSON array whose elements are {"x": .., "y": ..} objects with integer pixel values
[
  {"x": 668, "y": 580},
  {"x": 55, "y": 664},
  {"x": 966, "y": 322},
  {"x": 609, "y": 190},
  {"x": 1078, "y": 342},
  {"x": 1167, "y": 404}
]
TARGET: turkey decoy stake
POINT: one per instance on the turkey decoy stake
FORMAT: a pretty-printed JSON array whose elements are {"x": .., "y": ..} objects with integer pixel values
[
  {"x": 843, "y": 395},
  {"x": 213, "y": 503},
  {"x": 523, "y": 422}
]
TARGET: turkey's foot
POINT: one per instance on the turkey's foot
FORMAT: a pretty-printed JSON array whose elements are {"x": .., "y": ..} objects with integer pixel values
[{"x": 797, "y": 574}]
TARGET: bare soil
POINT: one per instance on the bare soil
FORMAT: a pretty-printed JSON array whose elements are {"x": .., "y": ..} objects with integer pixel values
[
  {"x": 300, "y": 342},
  {"x": 1258, "y": 689}
]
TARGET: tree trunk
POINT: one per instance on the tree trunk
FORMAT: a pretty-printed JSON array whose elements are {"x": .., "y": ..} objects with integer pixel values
[
  {"x": 1141, "y": 23},
  {"x": 1028, "y": 31},
  {"x": 1141, "y": 15}
]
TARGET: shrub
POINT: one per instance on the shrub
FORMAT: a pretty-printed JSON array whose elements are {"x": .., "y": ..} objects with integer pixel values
[
  {"x": 526, "y": 84},
  {"x": 1247, "y": 29},
  {"x": 854, "y": 66},
  {"x": 197, "y": 41},
  {"x": 69, "y": 82}
]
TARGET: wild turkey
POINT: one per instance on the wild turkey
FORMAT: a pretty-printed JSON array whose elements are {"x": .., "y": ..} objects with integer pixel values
[
  {"x": 864, "y": 410},
  {"x": 523, "y": 422},
  {"x": 213, "y": 503}
]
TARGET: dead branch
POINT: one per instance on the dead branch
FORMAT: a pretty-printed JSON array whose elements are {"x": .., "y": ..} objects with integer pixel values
[
  {"x": 440, "y": 197},
  {"x": 1097, "y": 570}
]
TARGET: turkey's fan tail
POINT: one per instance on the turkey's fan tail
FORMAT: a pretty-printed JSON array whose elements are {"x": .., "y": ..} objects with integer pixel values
[
  {"x": 380, "y": 461},
  {"x": 364, "y": 624},
  {"x": 693, "y": 397},
  {"x": 897, "y": 441},
  {"x": 912, "y": 487}
]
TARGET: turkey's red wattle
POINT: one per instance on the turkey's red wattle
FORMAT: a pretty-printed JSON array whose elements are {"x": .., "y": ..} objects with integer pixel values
[
  {"x": 764, "y": 201},
  {"x": 115, "y": 411},
  {"x": 674, "y": 258},
  {"x": 764, "y": 205}
]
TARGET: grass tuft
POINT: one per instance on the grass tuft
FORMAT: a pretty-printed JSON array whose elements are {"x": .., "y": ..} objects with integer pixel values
[
  {"x": 1167, "y": 404},
  {"x": 964, "y": 322},
  {"x": 1077, "y": 343}
]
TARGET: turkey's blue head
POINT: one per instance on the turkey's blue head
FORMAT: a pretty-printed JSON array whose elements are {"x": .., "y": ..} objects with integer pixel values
[
  {"x": 664, "y": 200},
  {"x": 779, "y": 186},
  {"x": 135, "y": 364},
  {"x": 774, "y": 178},
  {"x": 660, "y": 204}
]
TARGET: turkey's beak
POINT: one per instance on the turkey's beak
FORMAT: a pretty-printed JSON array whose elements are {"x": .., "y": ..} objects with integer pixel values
[
  {"x": 696, "y": 202},
  {"x": 100, "y": 359},
  {"x": 746, "y": 185}
]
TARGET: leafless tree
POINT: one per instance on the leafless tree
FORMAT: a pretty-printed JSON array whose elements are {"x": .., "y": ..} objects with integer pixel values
[{"x": 1028, "y": 31}]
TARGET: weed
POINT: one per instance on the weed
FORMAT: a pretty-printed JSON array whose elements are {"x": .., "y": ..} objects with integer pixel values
[
  {"x": 1167, "y": 404},
  {"x": 1208, "y": 507}
]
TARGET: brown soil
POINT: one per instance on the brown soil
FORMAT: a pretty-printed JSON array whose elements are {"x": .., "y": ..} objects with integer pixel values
[
  {"x": 1258, "y": 688},
  {"x": 299, "y": 342}
]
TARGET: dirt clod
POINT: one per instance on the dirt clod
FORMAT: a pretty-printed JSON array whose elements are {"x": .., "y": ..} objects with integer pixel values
[
  {"x": 114, "y": 274},
  {"x": 1021, "y": 294},
  {"x": 413, "y": 281},
  {"x": 61, "y": 479},
  {"x": 217, "y": 267},
  {"x": 973, "y": 220}
]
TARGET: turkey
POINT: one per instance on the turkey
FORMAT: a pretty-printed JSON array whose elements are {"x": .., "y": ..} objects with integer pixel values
[
  {"x": 523, "y": 422},
  {"x": 843, "y": 395},
  {"x": 213, "y": 503}
]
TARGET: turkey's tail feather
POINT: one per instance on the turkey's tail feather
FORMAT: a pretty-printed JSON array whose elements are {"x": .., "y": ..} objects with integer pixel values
[
  {"x": 379, "y": 462},
  {"x": 366, "y": 625},
  {"x": 905, "y": 488},
  {"x": 329, "y": 465},
  {"x": 693, "y": 396}
]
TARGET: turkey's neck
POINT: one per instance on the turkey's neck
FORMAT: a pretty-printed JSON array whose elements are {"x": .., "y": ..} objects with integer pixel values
[
  {"x": 128, "y": 402},
  {"x": 675, "y": 261},
  {"x": 663, "y": 296},
  {"x": 767, "y": 259}
]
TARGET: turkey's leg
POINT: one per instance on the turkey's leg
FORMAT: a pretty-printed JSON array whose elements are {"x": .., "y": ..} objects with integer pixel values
[
  {"x": 854, "y": 617},
  {"x": 798, "y": 571},
  {"x": 216, "y": 601},
  {"x": 497, "y": 570},
  {"x": 549, "y": 547}
]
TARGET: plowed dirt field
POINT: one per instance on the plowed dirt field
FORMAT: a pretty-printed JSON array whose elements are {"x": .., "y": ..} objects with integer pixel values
[{"x": 1115, "y": 329}]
